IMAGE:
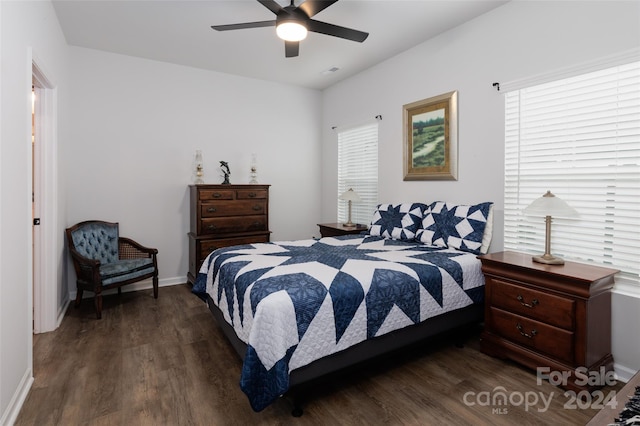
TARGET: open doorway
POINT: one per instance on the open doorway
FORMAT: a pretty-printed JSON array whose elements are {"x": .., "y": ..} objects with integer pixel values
[{"x": 44, "y": 202}]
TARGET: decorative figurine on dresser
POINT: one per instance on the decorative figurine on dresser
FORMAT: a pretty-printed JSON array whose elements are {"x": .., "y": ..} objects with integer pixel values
[
  {"x": 225, "y": 215},
  {"x": 555, "y": 319},
  {"x": 226, "y": 172}
]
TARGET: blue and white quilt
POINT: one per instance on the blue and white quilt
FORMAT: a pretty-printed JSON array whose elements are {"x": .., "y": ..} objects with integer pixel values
[{"x": 293, "y": 302}]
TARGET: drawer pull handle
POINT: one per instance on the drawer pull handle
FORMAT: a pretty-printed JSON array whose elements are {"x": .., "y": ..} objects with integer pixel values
[
  {"x": 211, "y": 209},
  {"x": 528, "y": 336},
  {"x": 217, "y": 195},
  {"x": 533, "y": 303},
  {"x": 257, "y": 207},
  {"x": 252, "y": 195},
  {"x": 211, "y": 227}
]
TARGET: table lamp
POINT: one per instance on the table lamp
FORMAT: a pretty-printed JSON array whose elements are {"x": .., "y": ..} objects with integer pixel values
[
  {"x": 549, "y": 205},
  {"x": 349, "y": 196}
]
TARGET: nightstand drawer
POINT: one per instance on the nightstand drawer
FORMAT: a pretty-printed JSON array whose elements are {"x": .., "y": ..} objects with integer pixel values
[
  {"x": 536, "y": 335},
  {"x": 546, "y": 307}
]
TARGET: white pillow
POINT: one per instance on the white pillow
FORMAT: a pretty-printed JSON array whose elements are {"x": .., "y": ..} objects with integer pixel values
[{"x": 488, "y": 232}]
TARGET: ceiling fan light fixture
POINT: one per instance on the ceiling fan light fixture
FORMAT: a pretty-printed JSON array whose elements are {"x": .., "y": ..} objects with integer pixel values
[{"x": 291, "y": 31}]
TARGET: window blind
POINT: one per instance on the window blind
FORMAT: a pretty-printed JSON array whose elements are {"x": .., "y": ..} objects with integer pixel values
[
  {"x": 580, "y": 138},
  {"x": 358, "y": 169}
]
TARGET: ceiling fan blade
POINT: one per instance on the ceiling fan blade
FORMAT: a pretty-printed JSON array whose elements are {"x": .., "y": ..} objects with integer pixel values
[
  {"x": 336, "y": 31},
  {"x": 258, "y": 24},
  {"x": 291, "y": 49},
  {"x": 271, "y": 5},
  {"x": 311, "y": 7}
]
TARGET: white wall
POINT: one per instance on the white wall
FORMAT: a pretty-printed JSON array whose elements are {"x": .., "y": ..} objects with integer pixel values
[
  {"x": 137, "y": 124},
  {"x": 27, "y": 30},
  {"x": 518, "y": 40}
]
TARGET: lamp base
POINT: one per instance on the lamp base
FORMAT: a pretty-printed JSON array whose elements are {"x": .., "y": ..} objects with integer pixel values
[
  {"x": 349, "y": 225},
  {"x": 548, "y": 259}
]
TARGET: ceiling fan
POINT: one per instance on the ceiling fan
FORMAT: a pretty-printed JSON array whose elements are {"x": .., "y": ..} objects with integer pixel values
[{"x": 293, "y": 22}]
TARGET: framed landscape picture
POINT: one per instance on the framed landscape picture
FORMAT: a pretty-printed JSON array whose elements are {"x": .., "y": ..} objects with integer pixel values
[{"x": 431, "y": 138}]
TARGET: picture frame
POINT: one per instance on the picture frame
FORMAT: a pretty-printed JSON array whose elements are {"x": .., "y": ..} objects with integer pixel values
[{"x": 430, "y": 138}]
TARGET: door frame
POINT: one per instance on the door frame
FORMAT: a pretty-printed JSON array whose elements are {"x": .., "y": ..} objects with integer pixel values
[{"x": 45, "y": 184}]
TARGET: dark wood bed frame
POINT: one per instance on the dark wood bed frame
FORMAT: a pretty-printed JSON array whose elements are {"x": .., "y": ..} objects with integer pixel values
[{"x": 363, "y": 351}]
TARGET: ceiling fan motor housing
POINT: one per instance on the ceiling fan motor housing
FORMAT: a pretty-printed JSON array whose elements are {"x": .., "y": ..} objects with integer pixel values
[{"x": 292, "y": 14}]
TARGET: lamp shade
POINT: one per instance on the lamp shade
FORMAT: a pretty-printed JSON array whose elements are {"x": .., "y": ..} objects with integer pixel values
[
  {"x": 349, "y": 195},
  {"x": 549, "y": 205}
]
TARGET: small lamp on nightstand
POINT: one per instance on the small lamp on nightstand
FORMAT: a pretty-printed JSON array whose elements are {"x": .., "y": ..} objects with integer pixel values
[
  {"x": 549, "y": 205},
  {"x": 349, "y": 196}
]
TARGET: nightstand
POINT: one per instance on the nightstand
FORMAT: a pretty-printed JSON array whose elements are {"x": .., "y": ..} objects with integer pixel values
[
  {"x": 337, "y": 229},
  {"x": 557, "y": 317}
]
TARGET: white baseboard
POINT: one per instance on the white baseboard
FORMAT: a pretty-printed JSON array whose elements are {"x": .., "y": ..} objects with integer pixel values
[
  {"x": 15, "y": 405},
  {"x": 623, "y": 373},
  {"x": 61, "y": 312}
]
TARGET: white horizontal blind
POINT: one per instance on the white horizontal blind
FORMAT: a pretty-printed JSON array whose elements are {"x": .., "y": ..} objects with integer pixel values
[
  {"x": 578, "y": 137},
  {"x": 358, "y": 169}
]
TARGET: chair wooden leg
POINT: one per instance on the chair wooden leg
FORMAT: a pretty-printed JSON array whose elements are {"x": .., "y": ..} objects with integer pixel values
[
  {"x": 155, "y": 286},
  {"x": 78, "y": 297},
  {"x": 97, "y": 300}
]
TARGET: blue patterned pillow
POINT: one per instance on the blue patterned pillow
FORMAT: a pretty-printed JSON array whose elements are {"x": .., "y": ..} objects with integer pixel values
[
  {"x": 397, "y": 221},
  {"x": 457, "y": 226},
  {"x": 429, "y": 232}
]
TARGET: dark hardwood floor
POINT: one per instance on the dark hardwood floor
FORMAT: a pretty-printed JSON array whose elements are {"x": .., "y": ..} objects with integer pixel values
[{"x": 165, "y": 362}]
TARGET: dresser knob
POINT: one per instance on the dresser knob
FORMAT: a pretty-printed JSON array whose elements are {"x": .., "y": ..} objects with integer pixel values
[
  {"x": 252, "y": 195},
  {"x": 217, "y": 195},
  {"x": 211, "y": 227},
  {"x": 528, "y": 336},
  {"x": 533, "y": 303},
  {"x": 257, "y": 207},
  {"x": 211, "y": 209}
]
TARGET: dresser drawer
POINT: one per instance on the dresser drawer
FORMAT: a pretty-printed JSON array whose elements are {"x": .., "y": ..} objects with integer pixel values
[
  {"x": 546, "y": 307},
  {"x": 217, "y": 194},
  {"x": 536, "y": 335},
  {"x": 221, "y": 225},
  {"x": 207, "y": 246},
  {"x": 251, "y": 194},
  {"x": 233, "y": 208}
]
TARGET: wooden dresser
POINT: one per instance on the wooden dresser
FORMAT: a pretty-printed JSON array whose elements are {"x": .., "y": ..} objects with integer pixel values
[
  {"x": 552, "y": 316},
  {"x": 225, "y": 215}
]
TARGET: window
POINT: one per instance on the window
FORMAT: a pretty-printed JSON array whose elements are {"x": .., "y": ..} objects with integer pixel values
[
  {"x": 580, "y": 138},
  {"x": 358, "y": 169}
]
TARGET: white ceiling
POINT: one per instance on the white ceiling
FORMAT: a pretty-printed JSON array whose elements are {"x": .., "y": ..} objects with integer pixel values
[{"x": 179, "y": 32}]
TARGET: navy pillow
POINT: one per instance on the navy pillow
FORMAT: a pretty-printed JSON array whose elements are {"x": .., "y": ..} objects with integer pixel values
[
  {"x": 457, "y": 226},
  {"x": 429, "y": 232},
  {"x": 397, "y": 221}
]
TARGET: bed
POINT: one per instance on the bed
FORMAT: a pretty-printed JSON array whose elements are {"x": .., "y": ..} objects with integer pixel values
[{"x": 298, "y": 310}]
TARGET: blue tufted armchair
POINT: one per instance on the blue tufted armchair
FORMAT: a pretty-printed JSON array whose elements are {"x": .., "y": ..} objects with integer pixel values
[{"x": 103, "y": 260}]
